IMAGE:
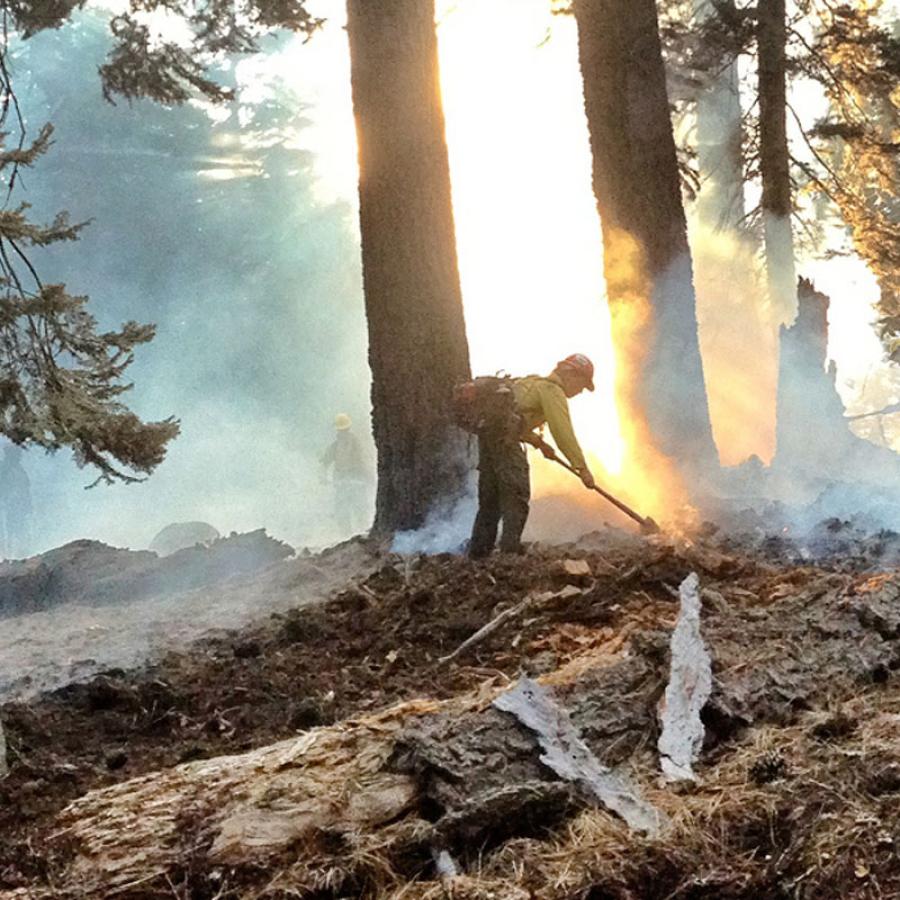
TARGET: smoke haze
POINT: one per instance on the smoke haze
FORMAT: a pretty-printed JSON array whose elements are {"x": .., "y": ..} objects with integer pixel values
[
  {"x": 219, "y": 231},
  {"x": 235, "y": 231}
]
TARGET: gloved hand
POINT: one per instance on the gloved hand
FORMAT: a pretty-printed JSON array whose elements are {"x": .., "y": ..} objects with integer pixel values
[{"x": 587, "y": 479}]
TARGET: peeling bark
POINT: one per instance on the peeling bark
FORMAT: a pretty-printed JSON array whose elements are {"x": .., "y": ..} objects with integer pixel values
[
  {"x": 690, "y": 682},
  {"x": 566, "y": 754}
]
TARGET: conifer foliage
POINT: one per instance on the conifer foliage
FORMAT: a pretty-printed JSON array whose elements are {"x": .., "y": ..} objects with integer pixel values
[
  {"x": 60, "y": 377},
  {"x": 850, "y": 156}
]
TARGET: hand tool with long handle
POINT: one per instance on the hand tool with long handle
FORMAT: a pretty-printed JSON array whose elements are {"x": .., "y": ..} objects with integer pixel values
[{"x": 648, "y": 526}]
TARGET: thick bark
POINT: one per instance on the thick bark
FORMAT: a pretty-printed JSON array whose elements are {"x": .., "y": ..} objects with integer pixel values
[
  {"x": 774, "y": 158},
  {"x": 646, "y": 254},
  {"x": 417, "y": 339},
  {"x": 720, "y": 142}
]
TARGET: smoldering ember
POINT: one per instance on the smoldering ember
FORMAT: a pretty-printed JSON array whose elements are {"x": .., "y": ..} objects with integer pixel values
[{"x": 491, "y": 415}]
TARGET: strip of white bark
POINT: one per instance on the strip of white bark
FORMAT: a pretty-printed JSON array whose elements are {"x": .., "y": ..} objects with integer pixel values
[
  {"x": 690, "y": 683},
  {"x": 570, "y": 758}
]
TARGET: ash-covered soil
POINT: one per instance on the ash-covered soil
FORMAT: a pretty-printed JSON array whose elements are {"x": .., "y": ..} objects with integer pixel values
[
  {"x": 799, "y": 775},
  {"x": 86, "y": 607}
]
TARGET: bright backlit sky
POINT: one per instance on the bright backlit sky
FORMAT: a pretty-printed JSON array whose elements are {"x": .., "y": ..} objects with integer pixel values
[{"x": 527, "y": 229}]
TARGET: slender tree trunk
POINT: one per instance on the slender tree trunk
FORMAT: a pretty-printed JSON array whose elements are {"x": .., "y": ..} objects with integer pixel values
[
  {"x": 417, "y": 338},
  {"x": 738, "y": 339},
  {"x": 647, "y": 261},
  {"x": 720, "y": 142},
  {"x": 774, "y": 158}
]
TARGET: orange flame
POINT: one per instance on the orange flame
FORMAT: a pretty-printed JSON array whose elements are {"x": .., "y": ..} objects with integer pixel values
[
  {"x": 530, "y": 251},
  {"x": 649, "y": 477},
  {"x": 642, "y": 476}
]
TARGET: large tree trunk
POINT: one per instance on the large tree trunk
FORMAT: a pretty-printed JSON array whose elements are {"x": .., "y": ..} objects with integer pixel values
[
  {"x": 774, "y": 158},
  {"x": 817, "y": 448},
  {"x": 417, "y": 339},
  {"x": 646, "y": 255}
]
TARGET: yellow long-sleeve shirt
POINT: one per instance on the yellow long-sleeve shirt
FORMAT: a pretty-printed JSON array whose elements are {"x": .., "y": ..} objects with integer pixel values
[{"x": 542, "y": 400}]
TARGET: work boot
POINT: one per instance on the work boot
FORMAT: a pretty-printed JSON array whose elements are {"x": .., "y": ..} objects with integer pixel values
[
  {"x": 478, "y": 553},
  {"x": 518, "y": 549}
]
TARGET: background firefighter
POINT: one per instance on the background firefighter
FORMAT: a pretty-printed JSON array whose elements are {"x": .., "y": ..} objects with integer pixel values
[
  {"x": 349, "y": 476},
  {"x": 524, "y": 404}
]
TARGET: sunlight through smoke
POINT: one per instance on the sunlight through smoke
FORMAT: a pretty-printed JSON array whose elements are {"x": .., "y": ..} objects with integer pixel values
[{"x": 527, "y": 229}]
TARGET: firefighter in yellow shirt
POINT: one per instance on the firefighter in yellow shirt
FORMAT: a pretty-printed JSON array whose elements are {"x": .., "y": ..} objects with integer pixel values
[
  {"x": 349, "y": 475},
  {"x": 503, "y": 484}
]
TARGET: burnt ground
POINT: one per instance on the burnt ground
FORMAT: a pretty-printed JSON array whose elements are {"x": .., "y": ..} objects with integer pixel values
[{"x": 797, "y": 642}]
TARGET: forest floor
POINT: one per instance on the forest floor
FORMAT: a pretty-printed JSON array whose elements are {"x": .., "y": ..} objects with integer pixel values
[{"x": 330, "y": 750}]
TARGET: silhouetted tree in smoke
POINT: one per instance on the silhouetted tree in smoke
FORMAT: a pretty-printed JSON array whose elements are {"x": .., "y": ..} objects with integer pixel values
[
  {"x": 702, "y": 55},
  {"x": 774, "y": 157},
  {"x": 417, "y": 339},
  {"x": 703, "y": 47},
  {"x": 848, "y": 158},
  {"x": 646, "y": 254}
]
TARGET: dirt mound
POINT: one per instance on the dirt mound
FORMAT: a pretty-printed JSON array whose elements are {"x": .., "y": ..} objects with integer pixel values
[
  {"x": 797, "y": 725},
  {"x": 853, "y": 544},
  {"x": 73, "y": 642},
  {"x": 92, "y": 573}
]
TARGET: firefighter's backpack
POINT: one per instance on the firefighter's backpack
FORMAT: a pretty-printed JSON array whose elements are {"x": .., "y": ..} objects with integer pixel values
[{"x": 482, "y": 402}]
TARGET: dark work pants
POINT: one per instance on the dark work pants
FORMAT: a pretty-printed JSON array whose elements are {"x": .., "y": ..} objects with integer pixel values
[{"x": 503, "y": 493}]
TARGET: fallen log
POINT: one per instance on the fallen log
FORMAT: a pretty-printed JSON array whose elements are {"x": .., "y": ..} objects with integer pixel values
[
  {"x": 243, "y": 809},
  {"x": 378, "y": 794}
]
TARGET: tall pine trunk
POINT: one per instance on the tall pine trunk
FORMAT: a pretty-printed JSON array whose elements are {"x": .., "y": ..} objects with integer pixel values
[
  {"x": 774, "y": 158},
  {"x": 417, "y": 338},
  {"x": 646, "y": 254},
  {"x": 737, "y": 337}
]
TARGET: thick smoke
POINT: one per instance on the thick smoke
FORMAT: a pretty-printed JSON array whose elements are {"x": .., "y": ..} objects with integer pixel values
[
  {"x": 446, "y": 530},
  {"x": 213, "y": 225},
  {"x": 235, "y": 231}
]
